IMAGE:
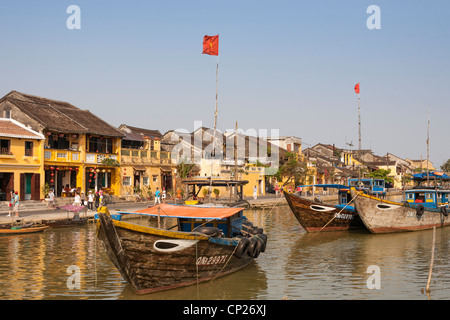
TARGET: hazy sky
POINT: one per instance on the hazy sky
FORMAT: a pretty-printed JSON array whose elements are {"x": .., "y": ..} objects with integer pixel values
[{"x": 287, "y": 65}]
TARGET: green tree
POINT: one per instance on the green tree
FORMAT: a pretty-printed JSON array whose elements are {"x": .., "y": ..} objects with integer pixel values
[
  {"x": 381, "y": 174},
  {"x": 446, "y": 166},
  {"x": 294, "y": 169}
]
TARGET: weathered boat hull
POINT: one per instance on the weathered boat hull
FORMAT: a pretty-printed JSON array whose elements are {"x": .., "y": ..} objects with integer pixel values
[
  {"x": 382, "y": 216},
  {"x": 145, "y": 260},
  {"x": 315, "y": 216}
]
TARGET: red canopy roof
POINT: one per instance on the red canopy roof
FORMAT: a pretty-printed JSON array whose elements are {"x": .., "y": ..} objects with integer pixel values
[{"x": 182, "y": 211}]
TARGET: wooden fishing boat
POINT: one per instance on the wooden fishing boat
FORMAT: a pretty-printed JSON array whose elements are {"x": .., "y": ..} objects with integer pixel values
[
  {"x": 20, "y": 228},
  {"x": 315, "y": 216},
  {"x": 424, "y": 208},
  {"x": 205, "y": 243},
  {"x": 75, "y": 221}
]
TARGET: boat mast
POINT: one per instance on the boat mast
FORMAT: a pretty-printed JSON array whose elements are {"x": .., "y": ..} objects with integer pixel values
[
  {"x": 213, "y": 152},
  {"x": 428, "y": 148},
  {"x": 359, "y": 137}
]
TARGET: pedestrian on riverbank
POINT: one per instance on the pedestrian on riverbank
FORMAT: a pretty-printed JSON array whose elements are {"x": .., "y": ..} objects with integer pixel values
[
  {"x": 255, "y": 192},
  {"x": 11, "y": 204},
  {"x": 277, "y": 190},
  {"x": 157, "y": 196},
  {"x": 16, "y": 204},
  {"x": 51, "y": 200},
  {"x": 163, "y": 195},
  {"x": 90, "y": 201},
  {"x": 77, "y": 201}
]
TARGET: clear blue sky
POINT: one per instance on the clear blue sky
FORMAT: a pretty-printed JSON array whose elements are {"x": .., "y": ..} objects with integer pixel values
[{"x": 288, "y": 65}]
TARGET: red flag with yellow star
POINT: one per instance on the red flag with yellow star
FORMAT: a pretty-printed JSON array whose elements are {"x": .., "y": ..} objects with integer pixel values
[{"x": 211, "y": 45}]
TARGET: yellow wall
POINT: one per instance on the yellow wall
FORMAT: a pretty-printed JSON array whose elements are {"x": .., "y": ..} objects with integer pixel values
[{"x": 18, "y": 163}]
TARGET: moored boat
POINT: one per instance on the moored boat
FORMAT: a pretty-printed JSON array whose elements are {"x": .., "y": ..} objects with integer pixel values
[
  {"x": 424, "y": 208},
  {"x": 205, "y": 243},
  {"x": 21, "y": 228},
  {"x": 315, "y": 216}
]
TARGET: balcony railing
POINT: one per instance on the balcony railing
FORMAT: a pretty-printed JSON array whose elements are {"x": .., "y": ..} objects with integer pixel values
[
  {"x": 145, "y": 157},
  {"x": 61, "y": 155}
]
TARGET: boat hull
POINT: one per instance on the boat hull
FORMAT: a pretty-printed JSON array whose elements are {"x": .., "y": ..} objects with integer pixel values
[
  {"x": 382, "y": 216},
  {"x": 145, "y": 260},
  {"x": 65, "y": 223},
  {"x": 315, "y": 216},
  {"x": 24, "y": 230}
]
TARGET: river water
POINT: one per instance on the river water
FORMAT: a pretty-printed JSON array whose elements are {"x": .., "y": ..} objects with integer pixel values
[{"x": 295, "y": 265}]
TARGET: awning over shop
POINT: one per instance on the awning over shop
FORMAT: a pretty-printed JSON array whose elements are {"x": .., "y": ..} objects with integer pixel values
[
  {"x": 166, "y": 169},
  {"x": 138, "y": 168}
]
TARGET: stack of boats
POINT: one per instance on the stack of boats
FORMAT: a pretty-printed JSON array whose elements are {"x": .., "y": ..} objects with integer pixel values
[{"x": 362, "y": 206}]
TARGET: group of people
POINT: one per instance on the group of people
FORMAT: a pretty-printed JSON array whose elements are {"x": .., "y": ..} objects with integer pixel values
[
  {"x": 14, "y": 204},
  {"x": 80, "y": 199},
  {"x": 92, "y": 198}
]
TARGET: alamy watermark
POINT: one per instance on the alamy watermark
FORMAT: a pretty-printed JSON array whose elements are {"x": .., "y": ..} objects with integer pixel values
[
  {"x": 230, "y": 147},
  {"x": 74, "y": 280},
  {"x": 73, "y": 22},
  {"x": 374, "y": 20},
  {"x": 374, "y": 280}
]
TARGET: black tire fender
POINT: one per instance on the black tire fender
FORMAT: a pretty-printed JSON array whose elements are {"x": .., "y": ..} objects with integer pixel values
[{"x": 242, "y": 247}]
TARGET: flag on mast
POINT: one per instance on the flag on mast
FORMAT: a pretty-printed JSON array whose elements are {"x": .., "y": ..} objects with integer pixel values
[
  {"x": 211, "y": 45},
  {"x": 357, "y": 88}
]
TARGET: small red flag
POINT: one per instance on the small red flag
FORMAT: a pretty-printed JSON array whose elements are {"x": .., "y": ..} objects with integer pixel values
[
  {"x": 357, "y": 88},
  {"x": 211, "y": 45}
]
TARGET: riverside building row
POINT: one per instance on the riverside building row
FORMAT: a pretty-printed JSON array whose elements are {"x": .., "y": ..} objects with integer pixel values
[{"x": 47, "y": 143}]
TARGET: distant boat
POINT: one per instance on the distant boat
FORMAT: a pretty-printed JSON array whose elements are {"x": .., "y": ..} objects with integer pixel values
[
  {"x": 21, "y": 228},
  {"x": 206, "y": 243},
  {"x": 423, "y": 208},
  {"x": 315, "y": 216}
]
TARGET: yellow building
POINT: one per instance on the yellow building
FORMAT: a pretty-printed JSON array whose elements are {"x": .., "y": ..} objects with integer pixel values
[
  {"x": 145, "y": 166},
  {"x": 21, "y": 160},
  {"x": 81, "y": 152}
]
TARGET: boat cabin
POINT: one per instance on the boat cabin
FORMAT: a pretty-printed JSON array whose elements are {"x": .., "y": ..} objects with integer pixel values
[
  {"x": 372, "y": 186},
  {"x": 192, "y": 218},
  {"x": 429, "y": 197}
]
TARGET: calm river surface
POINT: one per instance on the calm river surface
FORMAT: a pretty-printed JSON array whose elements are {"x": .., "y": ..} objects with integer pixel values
[{"x": 296, "y": 265}]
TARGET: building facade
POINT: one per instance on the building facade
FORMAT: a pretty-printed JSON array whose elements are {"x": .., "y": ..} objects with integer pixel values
[
  {"x": 81, "y": 152},
  {"x": 21, "y": 160}
]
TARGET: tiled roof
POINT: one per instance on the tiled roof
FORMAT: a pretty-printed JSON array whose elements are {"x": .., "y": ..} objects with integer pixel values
[
  {"x": 60, "y": 116},
  {"x": 13, "y": 129}
]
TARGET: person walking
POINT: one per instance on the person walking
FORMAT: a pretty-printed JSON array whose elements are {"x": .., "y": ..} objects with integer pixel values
[
  {"x": 11, "y": 204},
  {"x": 16, "y": 204},
  {"x": 90, "y": 201},
  {"x": 277, "y": 190},
  {"x": 51, "y": 200},
  {"x": 163, "y": 195},
  {"x": 255, "y": 192},
  {"x": 77, "y": 201},
  {"x": 157, "y": 196}
]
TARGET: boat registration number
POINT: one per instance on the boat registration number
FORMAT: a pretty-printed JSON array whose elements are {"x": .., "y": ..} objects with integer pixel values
[
  {"x": 345, "y": 216},
  {"x": 206, "y": 261}
]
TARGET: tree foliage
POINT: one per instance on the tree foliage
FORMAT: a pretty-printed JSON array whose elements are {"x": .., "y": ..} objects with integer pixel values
[
  {"x": 446, "y": 166},
  {"x": 382, "y": 174}
]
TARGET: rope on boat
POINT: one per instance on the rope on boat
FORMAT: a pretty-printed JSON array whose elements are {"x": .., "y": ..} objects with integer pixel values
[
  {"x": 231, "y": 256},
  {"x": 357, "y": 194}
]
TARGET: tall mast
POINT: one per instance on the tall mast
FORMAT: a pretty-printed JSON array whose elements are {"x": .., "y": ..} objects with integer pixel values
[
  {"x": 213, "y": 152},
  {"x": 428, "y": 148}
]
